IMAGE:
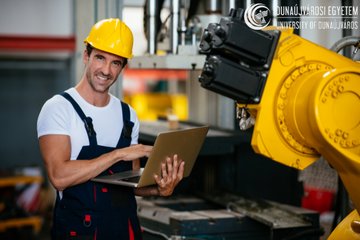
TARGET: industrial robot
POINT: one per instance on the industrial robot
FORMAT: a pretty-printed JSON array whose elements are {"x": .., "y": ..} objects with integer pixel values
[{"x": 303, "y": 99}]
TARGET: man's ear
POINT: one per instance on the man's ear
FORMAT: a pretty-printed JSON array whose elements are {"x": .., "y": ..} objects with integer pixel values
[{"x": 85, "y": 57}]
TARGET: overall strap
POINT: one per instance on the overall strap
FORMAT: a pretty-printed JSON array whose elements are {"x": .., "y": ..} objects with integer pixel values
[
  {"x": 125, "y": 138},
  {"x": 87, "y": 120}
]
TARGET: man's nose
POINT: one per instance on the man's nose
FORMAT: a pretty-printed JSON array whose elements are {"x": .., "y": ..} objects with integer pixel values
[{"x": 106, "y": 69}]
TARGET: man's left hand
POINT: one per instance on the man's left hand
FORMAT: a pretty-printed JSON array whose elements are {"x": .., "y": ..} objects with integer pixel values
[{"x": 172, "y": 173}]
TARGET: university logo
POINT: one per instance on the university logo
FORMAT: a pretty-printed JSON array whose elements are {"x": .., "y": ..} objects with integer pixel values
[{"x": 257, "y": 16}]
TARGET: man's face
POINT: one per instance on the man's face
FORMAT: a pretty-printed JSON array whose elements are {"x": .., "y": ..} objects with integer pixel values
[{"x": 102, "y": 69}]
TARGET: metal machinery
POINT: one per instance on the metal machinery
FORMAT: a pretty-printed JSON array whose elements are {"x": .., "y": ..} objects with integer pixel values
[
  {"x": 305, "y": 98},
  {"x": 224, "y": 196},
  {"x": 273, "y": 76},
  {"x": 174, "y": 43}
]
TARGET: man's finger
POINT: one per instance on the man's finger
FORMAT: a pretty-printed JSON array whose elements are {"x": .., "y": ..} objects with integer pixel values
[
  {"x": 181, "y": 170},
  {"x": 175, "y": 166},
  {"x": 169, "y": 167},
  {"x": 146, "y": 150},
  {"x": 157, "y": 179},
  {"x": 164, "y": 173}
]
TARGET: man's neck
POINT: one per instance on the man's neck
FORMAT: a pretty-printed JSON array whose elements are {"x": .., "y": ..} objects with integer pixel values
[{"x": 97, "y": 99}]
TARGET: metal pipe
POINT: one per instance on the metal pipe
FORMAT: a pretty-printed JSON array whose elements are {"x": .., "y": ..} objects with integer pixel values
[
  {"x": 344, "y": 42},
  {"x": 119, "y": 10},
  {"x": 231, "y": 4},
  {"x": 247, "y": 3},
  {"x": 347, "y": 32},
  {"x": 182, "y": 28},
  {"x": 174, "y": 21},
  {"x": 151, "y": 25},
  {"x": 212, "y": 6},
  {"x": 96, "y": 11},
  {"x": 274, "y": 5},
  {"x": 193, "y": 38},
  {"x": 107, "y": 9}
]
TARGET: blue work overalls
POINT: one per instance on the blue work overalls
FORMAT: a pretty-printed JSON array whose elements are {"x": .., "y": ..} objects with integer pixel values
[{"x": 95, "y": 210}]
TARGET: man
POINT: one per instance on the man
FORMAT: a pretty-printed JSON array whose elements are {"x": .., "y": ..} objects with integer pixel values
[{"x": 89, "y": 125}]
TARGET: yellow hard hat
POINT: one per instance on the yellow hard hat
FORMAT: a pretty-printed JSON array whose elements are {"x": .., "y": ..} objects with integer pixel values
[{"x": 113, "y": 36}]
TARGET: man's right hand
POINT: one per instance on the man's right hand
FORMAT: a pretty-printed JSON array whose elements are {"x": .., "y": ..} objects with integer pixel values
[{"x": 134, "y": 152}]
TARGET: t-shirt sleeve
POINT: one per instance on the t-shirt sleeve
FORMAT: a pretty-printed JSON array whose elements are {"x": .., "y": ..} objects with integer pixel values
[
  {"x": 54, "y": 117},
  {"x": 135, "y": 131}
]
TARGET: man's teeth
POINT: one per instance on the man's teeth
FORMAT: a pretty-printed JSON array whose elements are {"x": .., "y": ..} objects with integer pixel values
[{"x": 101, "y": 78}]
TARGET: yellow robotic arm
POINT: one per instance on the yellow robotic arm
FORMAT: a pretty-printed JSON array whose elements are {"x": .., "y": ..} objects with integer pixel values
[
  {"x": 311, "y": 106},
  {"x": 305, "y": 99}
]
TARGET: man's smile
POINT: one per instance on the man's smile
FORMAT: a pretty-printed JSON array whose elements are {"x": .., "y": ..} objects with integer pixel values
[{"x": 102, "y": 78}]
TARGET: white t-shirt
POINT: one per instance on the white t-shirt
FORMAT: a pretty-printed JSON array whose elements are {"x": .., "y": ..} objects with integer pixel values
[{"x": 58, "y": 116}]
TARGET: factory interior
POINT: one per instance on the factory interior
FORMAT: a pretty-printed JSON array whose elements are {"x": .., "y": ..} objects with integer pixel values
[{"x": 280, "y": 160}]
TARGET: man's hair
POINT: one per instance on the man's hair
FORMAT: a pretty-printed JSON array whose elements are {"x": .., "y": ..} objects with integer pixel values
[{"x": 89, "y": 49}]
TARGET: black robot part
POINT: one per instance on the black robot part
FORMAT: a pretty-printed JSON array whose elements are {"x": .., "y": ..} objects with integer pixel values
[
  {"x": 238, "y": 58},
  {"x": 230, "y": 79},
  {"x": 233, "y": 36}
]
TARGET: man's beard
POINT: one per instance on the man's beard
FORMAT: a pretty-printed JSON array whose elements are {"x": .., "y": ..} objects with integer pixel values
[{"x": 93, "y": 84}]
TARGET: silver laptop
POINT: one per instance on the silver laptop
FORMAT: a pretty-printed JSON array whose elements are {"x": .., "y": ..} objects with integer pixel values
[{"x": 185, "y": 143}]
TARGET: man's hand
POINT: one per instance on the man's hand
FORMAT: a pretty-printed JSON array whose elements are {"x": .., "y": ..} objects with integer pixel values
[
  {"x": 172, "y": 173},
  {"x": 134, "y": 152}
]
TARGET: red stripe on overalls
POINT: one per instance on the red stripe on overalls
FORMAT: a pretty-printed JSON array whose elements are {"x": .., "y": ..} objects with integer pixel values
[
  {"x": 131, "y": 232},
  {"x": 95, "y": 193}
]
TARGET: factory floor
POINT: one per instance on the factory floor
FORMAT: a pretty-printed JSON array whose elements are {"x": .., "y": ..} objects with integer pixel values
[
  {"x": 45, "y": 231},
  {"x": 327, "y": 228}
]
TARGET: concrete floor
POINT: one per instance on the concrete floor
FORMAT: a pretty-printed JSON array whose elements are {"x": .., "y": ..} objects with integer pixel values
[
  {"x": 327, "y": 228},
  {"x": 45, "y": 232}
]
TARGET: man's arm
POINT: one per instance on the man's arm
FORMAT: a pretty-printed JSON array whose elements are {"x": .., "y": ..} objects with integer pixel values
[
  {"x": 63, "y": 173},
  {"x": 172, "y": 173}
]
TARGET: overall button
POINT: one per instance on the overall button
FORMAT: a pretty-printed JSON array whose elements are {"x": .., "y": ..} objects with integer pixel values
[{"x": 63, "y": 207}]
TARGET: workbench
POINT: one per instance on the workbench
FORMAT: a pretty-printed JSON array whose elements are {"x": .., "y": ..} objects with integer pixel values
[
  {"x": 19, "y": 222},
  {"x": 226, "y": 163},
  {"x": 183, "y": 217}
]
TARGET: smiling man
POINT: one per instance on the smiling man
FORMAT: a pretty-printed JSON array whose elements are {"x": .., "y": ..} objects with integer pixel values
[{"x": 85, "y": 132}]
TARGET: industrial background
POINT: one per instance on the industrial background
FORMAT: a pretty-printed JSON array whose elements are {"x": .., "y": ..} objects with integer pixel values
[{"x": 41, "y": 46}]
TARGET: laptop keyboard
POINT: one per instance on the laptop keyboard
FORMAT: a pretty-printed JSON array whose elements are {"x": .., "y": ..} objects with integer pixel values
[{"x": 131, "y": 179}]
